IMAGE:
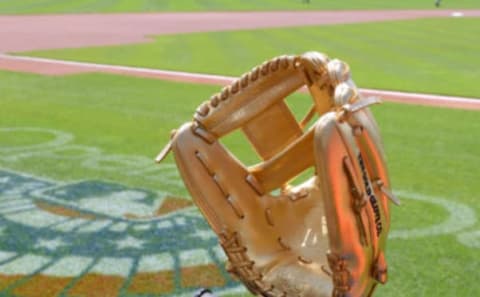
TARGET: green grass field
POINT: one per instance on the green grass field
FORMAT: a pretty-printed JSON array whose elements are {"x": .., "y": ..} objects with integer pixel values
[
  {"x": 432, "y": 152},
  {"x": 432, "y": 55},
  {"x": 86, "y": 6}
]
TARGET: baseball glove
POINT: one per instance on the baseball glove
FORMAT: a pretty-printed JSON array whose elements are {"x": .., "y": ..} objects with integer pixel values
[{"x": 324, "y": 237}]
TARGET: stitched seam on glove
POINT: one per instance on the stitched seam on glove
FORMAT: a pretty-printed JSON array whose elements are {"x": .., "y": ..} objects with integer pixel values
[{"x": 242, "y": 267}]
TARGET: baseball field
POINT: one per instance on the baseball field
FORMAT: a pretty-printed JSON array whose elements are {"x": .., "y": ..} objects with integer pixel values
[{"x": 84, "y": 211}]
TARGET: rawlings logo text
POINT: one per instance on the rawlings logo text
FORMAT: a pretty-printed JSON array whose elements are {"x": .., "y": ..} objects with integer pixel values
[{"x": 371, "y": 196}]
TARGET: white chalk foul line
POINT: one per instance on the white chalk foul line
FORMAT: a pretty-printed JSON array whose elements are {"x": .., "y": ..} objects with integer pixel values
[
  {"x": 392, "y": 96},
  {"x": 425, "y": 99},
  {"x": 209, "y": 78}
]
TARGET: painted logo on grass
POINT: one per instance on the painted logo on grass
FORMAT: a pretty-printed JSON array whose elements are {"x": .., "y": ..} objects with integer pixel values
[{"x": 94, "y": 238}]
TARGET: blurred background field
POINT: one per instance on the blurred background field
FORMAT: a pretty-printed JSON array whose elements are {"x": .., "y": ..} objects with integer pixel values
[{"x": 415, "y": 56}]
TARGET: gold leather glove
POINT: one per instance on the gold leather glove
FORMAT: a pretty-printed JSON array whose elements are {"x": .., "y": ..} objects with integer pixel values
[{"x": 324, "y": 237}]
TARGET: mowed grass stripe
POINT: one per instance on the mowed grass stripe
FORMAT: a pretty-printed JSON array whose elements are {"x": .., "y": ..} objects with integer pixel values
[
  {"x": 48, "y": 6},
  {"x": 133, "y": 115},
  {"x": 59, "y": 6},
  {"x": 430, "y": 56}
]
